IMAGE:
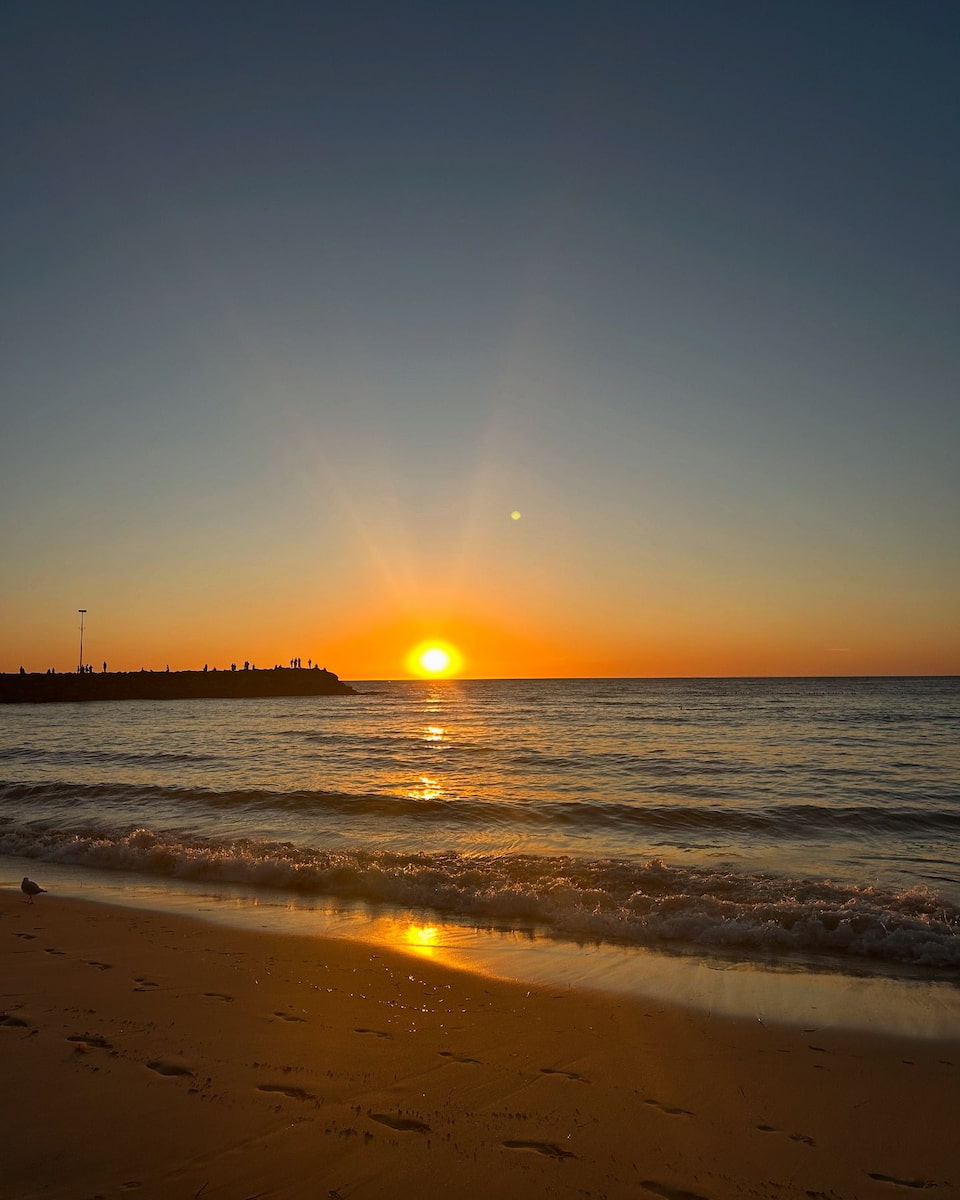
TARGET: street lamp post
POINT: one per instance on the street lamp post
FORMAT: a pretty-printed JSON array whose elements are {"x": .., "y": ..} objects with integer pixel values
[{"x": 81, "y": 611}]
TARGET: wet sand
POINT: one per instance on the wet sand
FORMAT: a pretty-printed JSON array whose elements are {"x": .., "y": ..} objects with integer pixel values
[{"x": 152, "y": 1055}]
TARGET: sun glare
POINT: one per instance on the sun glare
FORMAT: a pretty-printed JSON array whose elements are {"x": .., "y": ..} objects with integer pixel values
[{"x": 434, "y": 660}]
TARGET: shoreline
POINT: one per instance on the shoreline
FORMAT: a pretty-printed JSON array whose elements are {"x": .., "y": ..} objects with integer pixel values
[
  {"x": 175, "y": 1057},
  {"x": 787, "y": 991}
]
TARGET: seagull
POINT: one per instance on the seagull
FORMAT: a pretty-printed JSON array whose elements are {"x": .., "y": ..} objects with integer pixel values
[{"x": 30, "y": 889}]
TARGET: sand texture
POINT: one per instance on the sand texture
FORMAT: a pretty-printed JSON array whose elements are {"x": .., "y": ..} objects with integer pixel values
[{"x": 153, "y": 1056}]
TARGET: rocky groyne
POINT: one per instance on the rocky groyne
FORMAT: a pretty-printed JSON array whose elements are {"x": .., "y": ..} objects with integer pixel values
[{"x": 248, "y": 684}]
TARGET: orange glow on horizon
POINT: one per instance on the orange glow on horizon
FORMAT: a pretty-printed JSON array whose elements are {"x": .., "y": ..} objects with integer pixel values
[{"x": 497, "y": 635}]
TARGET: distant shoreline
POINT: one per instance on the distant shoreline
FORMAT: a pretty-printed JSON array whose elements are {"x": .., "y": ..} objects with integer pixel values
[{"x": 170, "y": 685}]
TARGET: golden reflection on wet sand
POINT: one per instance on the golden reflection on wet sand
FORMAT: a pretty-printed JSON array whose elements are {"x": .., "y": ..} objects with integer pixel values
[{"x": 421, "y": 938}]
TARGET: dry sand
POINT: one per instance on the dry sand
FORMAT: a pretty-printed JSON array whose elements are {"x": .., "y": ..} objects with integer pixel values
[{"x": 155, "y": 1056}]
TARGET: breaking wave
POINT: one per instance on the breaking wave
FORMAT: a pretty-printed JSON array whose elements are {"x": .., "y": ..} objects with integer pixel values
[{"x": 643, "y": 904}]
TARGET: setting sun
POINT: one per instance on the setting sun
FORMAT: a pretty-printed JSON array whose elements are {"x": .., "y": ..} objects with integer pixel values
[{"x": 434, "y": 659}]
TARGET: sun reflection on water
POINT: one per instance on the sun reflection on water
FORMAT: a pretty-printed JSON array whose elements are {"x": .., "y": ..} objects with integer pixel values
[
  {"x": 429, "y": 789},
  {"x": 433, "y": 733}
]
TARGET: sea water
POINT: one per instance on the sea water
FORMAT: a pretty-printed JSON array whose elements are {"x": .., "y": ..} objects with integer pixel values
[{"x": 811, "y": 821}]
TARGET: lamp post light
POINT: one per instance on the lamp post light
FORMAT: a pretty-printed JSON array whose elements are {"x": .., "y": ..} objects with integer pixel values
[{"x": 81, "y": 611}]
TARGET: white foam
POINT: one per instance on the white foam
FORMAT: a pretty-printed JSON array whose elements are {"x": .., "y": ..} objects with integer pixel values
[{"x": 645, "y": 904}]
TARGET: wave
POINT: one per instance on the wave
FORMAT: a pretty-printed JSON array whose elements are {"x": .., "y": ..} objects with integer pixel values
[
  {"x": 800, "y": 821},
  {"x": 643, "y": 904},
  {"x": 110, "y": 757}
]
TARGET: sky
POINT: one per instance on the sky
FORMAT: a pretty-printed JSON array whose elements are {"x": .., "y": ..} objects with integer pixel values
[{"x": 302, "y": 302}]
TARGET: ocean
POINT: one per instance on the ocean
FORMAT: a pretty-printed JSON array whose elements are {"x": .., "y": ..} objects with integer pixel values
[{"x": 804, "y": 820}]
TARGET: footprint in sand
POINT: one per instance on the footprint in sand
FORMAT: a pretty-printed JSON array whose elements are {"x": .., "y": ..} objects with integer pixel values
[
  {"x": 907, "y": 1183},
  {"x": 218, "y": 996},
  {"x": 290, "y": 1017},
  {"x": 794, "y": 1137},
  {"x": 669, "y": 1109},
  {"x": 566, "y": 1074},
  {"x": 292, "y": 1093},
  {"x": 666, "y": 1192},
  {"x": 32, "y": 937},
  {"x": 99, "y": 965},
  {"x": 13, "y": 1022},
  {"x": 51, "y": 951},
  {"x": 89, "y": 1041},
  {"x": 546, "y": 1148},
  {"x": 403, "y": 1124},
  {"x": 460, "y": 1058},
  {"x": 162, "y": 1067},
  {"x": 144, "y": 985},
  {"x": 380, "y": 1033}
]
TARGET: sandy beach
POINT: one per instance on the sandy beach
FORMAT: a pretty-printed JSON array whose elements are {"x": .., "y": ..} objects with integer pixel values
[{"x": 160, "y": 1056}]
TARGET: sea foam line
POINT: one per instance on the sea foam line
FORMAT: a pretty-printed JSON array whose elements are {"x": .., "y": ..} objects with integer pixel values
[{"x": 647, "y": 904}]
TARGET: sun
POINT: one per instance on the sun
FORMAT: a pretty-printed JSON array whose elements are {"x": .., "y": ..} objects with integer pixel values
[{"x": 435, "y": 660}]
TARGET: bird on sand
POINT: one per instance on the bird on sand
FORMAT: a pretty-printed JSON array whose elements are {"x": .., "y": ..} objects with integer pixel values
[{"x": 30, "y": 889}]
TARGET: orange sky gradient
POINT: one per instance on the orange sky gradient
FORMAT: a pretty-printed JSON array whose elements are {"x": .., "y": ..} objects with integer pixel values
[
  {"x": 323, "y": 348},
  {"x": 377, "y": 645}
]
